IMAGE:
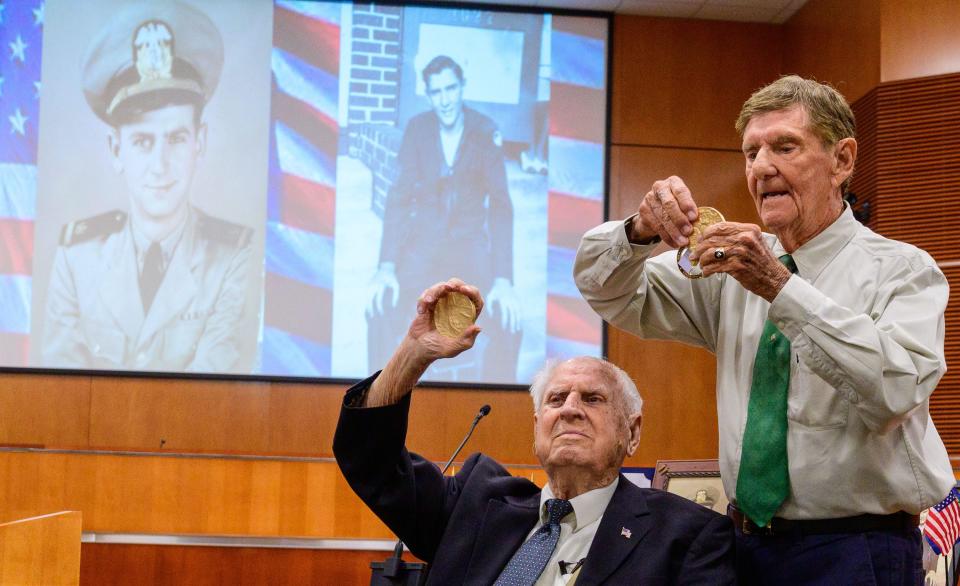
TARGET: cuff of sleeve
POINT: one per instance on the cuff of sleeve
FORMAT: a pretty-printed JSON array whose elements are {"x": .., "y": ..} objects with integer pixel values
[
  {"x": 386, "y": 416},
  {"x": 621, "y": 247},
  {"x": 357, "y": 394},
  {"x": 793, "y": 306},
  {"x": 604, "y": 249},
  {"x": 628, "y": 226}
]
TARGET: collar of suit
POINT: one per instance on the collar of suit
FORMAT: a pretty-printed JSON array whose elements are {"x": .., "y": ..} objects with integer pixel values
[{"x": 507, "y": 523}]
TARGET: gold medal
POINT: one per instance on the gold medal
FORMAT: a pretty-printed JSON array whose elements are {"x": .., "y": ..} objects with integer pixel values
[
  {"x": 689, "y": 266},
  {"x": 453, "y": 314}
]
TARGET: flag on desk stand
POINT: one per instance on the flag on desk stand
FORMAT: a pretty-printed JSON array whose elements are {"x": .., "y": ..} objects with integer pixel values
[{"x": 942, "y": 527}]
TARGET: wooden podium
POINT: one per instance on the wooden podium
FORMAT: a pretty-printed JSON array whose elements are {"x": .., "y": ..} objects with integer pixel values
[{"x": 42, "y": 550}]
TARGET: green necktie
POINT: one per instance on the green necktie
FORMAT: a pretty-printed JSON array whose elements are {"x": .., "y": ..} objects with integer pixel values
[{"x": 764, "y": 479}]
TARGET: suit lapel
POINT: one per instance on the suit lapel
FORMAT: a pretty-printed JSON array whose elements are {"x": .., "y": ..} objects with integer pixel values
[
  {"x": 120, "y": 287},
  {"x": 505, "y": 526},
  {"x": 624, "y": 524}
]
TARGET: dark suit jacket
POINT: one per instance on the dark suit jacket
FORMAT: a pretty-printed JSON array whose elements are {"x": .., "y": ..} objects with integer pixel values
[
  {"x": 455, "y": 220},
  {"x": 468, "y": 526}
]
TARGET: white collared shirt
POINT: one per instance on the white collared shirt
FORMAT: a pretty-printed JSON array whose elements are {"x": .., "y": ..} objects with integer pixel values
[
  {"x": 168, "y": 246},
  {"x": 577, "y": 530},
  {"x": 865, "y": 318}
]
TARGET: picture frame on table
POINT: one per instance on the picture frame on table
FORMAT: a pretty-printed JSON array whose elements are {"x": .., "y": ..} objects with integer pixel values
[{"x": 697, "y": 480}]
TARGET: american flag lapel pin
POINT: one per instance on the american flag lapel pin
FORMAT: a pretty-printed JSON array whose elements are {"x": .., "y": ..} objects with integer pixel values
[{"x": 625, "y": 532}]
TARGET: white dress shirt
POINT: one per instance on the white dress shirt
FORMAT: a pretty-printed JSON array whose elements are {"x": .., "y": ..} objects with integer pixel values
[
  {"x": 577, "y": 530},
  {"x": 864, "y": 316}
]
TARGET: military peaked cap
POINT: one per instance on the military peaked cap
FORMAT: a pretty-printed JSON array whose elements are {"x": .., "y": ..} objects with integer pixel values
[{"x": 151, "y": 48}]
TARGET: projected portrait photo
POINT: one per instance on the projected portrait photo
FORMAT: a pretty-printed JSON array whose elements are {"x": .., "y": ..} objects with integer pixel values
[
  {"x": 445, "y": 192},
  {"x": 151, "y": 192}
]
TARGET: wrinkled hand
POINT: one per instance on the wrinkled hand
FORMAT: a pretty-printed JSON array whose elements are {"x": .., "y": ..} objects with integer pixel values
[
  {"x": 504, "y": 302},
  {"x": 667, "y": 211},
  {"x": 422, "y": 345},
  {"x": 745, "y": 258},
  {"x": 382, "y": 282},
  {"x": 431, "y": 344}
]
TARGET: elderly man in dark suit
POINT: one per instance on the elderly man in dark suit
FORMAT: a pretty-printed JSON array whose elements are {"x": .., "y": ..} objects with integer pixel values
[{"x": 484, "y": 526}]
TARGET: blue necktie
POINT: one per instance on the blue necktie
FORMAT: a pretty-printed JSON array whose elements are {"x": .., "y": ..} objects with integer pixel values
[{"x": 528, "y": 563}]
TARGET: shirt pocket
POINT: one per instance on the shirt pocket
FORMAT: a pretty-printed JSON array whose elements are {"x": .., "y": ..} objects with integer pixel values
[
  {"x": 181, "y": 339},
  {"x": 812, "y": 402},
  {"x": 105, "y": 343}
]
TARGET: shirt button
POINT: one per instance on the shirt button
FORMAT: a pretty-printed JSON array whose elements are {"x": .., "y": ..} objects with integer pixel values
[
  {"x": 96, "y": 348},
  {"x": 773, "y": 337},
  {"x": 141, "y": 358}
]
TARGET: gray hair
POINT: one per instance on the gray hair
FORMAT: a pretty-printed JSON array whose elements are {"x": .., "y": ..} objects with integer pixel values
[
  {"x": 628, "y": 390},
  {"x": 831, "y": 117}
]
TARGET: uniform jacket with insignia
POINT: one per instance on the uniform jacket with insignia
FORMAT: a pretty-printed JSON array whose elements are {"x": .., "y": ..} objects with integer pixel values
[{"x": 95, "y": 316}]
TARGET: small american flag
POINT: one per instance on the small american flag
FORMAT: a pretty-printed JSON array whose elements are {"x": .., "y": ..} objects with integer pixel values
[{"x": 942, "y": 527}]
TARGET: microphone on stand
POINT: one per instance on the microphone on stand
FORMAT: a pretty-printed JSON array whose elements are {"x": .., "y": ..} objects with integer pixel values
[
  {"x": 395, "y": 571},
  {"x": 484, "y": 411}
]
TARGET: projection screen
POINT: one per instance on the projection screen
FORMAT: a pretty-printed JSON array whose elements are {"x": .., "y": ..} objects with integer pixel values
[{"x": 240, "y": 187}]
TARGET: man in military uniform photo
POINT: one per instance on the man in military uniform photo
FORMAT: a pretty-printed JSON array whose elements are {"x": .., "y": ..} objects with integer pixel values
[
  {"x": 162, "y": 286},
  {"x": 448, "y": 215}
]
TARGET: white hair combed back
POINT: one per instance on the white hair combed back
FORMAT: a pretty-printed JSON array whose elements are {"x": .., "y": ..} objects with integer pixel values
[{"x": 628, "y": 391}]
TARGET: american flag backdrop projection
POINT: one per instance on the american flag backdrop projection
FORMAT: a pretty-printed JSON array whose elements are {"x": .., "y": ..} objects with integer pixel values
[
  {"x": 21, "y": 36},
  {"x": 305, "y": 116},
  {"x": 298, "y": 296},
  {"x": 575, "y": 200}
]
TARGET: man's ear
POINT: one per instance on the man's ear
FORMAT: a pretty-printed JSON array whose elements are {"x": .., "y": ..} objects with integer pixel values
[
  {"x": 202, "y": 139},
  {"x": 845, "y": 154},
  {"x": 113, "y": 145},
  {"x": 536, "y": 421},
  {"x": 633, "y": 425}
]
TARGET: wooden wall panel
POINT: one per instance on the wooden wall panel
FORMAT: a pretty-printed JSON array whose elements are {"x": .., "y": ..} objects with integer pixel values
[
  {"x": 302, "y": 418},
  {"x": 179, "y": 414},
  {"x": 191, "y": 495},
  {"x": 439, "y": 419},
  {"x": 914, "y": 169},
  {"x": 170, "y": 565},
  {"x": 681, "y": 82},
  {"x": 41, "y": 410},
  {"x": 715, "y": 177},
  {"x": 945, "y": 402},
  {"x": 836, "y": 41},
  {"x": 677, "y": 383},
  {"x": 919, "y": 38},
  {"x": 159, "y": 494}
]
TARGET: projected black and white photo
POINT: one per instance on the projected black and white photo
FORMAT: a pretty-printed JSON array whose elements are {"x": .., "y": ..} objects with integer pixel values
[
  {"x": 446, "y": 205},
  {"x": 264, "y": 188},
  {"x": 154, "y": 255}
]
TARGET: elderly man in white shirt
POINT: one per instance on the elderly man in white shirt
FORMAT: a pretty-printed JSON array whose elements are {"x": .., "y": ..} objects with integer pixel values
[{"x": 829, "y": 341}]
